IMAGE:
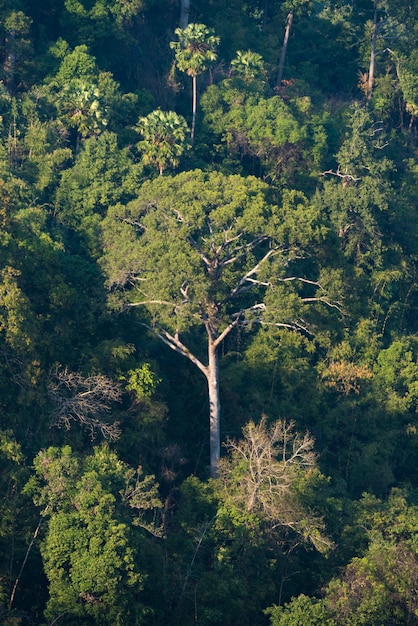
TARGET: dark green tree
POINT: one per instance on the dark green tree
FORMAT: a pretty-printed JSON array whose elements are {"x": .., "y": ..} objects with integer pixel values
[{"x": 89, "y": 551}]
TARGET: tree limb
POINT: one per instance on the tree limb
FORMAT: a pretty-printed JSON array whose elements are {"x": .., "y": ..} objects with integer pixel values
[
  {"x": 246, "y": 278},
  {"x": 178, "y": 346},
  {"x": 86, "y": 400},
  {"x": 345, "y": 177}
]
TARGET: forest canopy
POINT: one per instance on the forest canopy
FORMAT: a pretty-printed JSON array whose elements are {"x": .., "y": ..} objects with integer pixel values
[{"x": 208, "y": 312}]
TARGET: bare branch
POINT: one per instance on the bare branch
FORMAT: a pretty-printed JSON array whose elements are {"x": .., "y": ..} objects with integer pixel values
[
  {"x": 300, "y": 279},
  {"x": 262, "y": 473},
  {"x": 237, "y": 253},
  {"x": 307, "y": 300},
  {"x": 227, "y": 330},
  {"x": 146, "y": 302},
  {"x": 345, "y": 177},
  {"x": 173, "y": 342},
  {"x": 242, "y": 285},
  {"x": 297, "y": 326},
  {"x": 332, "y": 305},
  {"x": 135, "y": 223},
  {"x": 87, "y": 400},
  {"x": 243, "y": 250},
  {"x": 194, "y": 245},
  {"x": 184, "y": 290}
]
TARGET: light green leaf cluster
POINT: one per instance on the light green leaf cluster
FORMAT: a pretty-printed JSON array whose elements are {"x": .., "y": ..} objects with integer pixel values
[
  {"x": 142, "y": 381},
  {"x": 164, "y": 138},
  {"x": 196, "y": 48},
  {"x": 249, "y": 65},
  {"x": 301, "y": 611},
  {"x": 88, "y": 552}
]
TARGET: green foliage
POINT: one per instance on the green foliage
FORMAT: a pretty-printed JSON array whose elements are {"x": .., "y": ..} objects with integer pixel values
[
  {"x": 196, "y": 48},
  {"x": 301, "y": 611},
  {"x": 407, "y": 71},
  {"x": 249, "y": 65},
  {"x": 12, "y": 475},
  {"x": 396, "y": 374},
  {"x": 379, "y": 587},
  {"x": 142, "y": 381},
  {"x": 291, "y": 196},
  {"x": 278, "y": 134},
  {"x": 102, "y": 175},
  {"x": 164, "y": 140},
  {"x": 185, "y": 235},
  {"x": 18, "y": 49},
  {"x": 89, "y": 551}
]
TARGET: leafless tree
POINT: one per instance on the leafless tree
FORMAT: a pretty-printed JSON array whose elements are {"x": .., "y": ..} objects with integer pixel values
[
  {"x": 263, "y": 473},
  {"x": 86, "y": 400}
]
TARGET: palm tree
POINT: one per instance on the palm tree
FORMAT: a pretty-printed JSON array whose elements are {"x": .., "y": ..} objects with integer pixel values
[
  {"x": 83, "y": 108},
  {"x": 249, "y": 65},
  {"x": 195, "y": 51},
  {"x": 164, "y": 138}
]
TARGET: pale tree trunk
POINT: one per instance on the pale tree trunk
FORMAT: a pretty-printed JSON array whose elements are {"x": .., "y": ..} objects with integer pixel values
[
  {"x": 211, "y": 372},
  {"x": 372, "y": 58},
  {"x": 288, "y": 28},
  {"x": 214, "y": 408},
  {"x": 184, "y": 13},
  {"x": 194, "y": 106}
]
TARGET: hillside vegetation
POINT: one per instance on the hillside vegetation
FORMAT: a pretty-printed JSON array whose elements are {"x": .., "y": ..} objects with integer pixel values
[{"x": 208, "y": 313}]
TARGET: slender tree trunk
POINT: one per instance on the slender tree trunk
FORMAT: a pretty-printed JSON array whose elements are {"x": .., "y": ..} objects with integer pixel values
[
  {"x": 9, "y": 66},
  {"x": 372, "y": 58},
  {"x": 194, "y": 105},
  {"x": 288, "y": 28},
  {"x": 214, "y": 408},
  {"x": 184, "y": 13},
  {"x": 265, "y": 13}
]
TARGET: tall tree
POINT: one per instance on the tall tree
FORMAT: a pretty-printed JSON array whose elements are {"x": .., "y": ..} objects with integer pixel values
[
  {"x": 195, "y": 51},
  {"x": 291, "y": 7},
  {"x": 203, "y": 253}
]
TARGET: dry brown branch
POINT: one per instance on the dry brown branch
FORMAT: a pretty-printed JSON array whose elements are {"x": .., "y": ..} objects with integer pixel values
[{"x": 86, "y": 400}]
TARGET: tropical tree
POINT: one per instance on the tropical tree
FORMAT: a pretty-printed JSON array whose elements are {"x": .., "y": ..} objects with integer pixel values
[
  {"x": 164, "y": 138},
  {"x": 195, "y": 51},
  {"x": 249, "y": 65},
  {"x": 89, "y": 550},
  {"x": 102, "y": 175},
  {"x": 265, "y": 131},
  {"x": 207, "y": 253},
  {"x": 82, "y": 108}
]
